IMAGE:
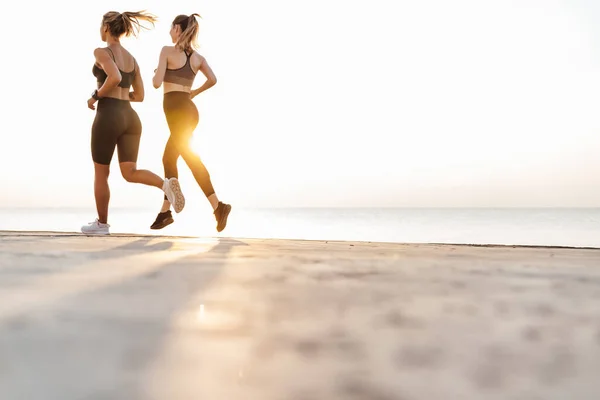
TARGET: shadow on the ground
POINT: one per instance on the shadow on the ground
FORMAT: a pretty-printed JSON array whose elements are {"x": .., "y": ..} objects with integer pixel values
[
  {"x": 141, "y": 245},
  {"x": 99, "y": 344}
]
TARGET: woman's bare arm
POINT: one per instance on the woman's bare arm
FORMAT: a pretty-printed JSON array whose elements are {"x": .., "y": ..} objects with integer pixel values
[
  {"x": 113, "y": 76},
  {"x": 137, "y": 85},
  {"x": 159, "y": 72},
  {"x": 211, "y": 79}
]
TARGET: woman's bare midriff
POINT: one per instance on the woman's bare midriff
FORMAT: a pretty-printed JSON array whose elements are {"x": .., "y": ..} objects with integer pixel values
[
  {"x": 117, "y": 93},
  {"x": 174, "y": 87}
]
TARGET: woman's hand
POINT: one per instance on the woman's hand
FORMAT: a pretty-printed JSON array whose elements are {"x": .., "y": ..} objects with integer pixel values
[
  {"x": 194, "y": 93},
  {"x": 91, "y": 103}
]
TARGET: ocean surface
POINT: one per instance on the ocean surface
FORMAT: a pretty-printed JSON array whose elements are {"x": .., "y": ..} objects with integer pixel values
[{"x": 578, "y": 227}]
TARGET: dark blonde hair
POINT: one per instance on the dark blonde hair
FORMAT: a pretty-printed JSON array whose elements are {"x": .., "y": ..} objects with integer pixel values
[
  {"x": 189, "y": 31},
  {"x": 127, "y": 23}
]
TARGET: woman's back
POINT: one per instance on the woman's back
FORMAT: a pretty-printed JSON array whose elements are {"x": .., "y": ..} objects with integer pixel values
[
  {"x": 124, "y": 62},
  {"x": 182, "y": 67}
]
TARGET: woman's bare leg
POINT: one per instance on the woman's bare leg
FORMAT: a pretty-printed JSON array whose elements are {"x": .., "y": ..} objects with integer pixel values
[{"x": 101, "y": 191}]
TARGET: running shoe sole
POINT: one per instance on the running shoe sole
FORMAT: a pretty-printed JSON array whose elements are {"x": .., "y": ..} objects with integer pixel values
[{"x": 178, "y": 201}]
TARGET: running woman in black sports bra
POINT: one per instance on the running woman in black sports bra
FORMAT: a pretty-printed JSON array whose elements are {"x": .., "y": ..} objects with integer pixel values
[
  {"x": 116, "y": 123},
  {"x": 177, "y": 68}
]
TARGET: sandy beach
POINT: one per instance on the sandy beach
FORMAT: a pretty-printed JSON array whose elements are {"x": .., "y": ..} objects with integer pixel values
[{"x": 134, "y": 317}]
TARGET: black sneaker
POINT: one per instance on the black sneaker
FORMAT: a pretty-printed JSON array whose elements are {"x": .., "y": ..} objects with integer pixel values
[
  {"x": 221, "y": 214},
  {"x": 163, "y": 219}
]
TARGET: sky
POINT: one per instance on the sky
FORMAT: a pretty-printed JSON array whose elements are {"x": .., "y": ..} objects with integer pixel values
[{"x": 469, "y": 103}]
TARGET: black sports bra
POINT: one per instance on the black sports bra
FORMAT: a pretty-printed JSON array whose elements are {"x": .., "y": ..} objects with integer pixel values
[{"x": 126, "y": 77}]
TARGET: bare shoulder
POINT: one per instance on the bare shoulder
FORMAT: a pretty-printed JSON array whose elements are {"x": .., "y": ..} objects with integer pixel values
[
  {"x": 167, "y": 50},
  {"x": 198, "y": 56},
  {"x": 99, "y": 51},
  {"x": 101, "y": 54},
  {"x": 198, "y": 59}
]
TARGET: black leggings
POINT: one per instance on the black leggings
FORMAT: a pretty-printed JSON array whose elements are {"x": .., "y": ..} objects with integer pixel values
[
  {"x": 116, "y": 125},
  {"x": 182, "y": 118}
]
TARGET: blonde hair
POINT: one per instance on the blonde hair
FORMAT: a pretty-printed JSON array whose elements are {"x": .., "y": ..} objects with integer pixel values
[
  {"x": 127, "y": 23},
  {"x": 188, "y": 40}
]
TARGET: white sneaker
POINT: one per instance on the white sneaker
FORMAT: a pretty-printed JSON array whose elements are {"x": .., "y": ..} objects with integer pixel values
[
  {"x": 95, "y": 228},
  {"x": 174, "y": 194}
]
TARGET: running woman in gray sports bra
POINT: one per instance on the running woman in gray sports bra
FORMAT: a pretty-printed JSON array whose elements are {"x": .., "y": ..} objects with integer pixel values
[{"x": 177, "y": 68}]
